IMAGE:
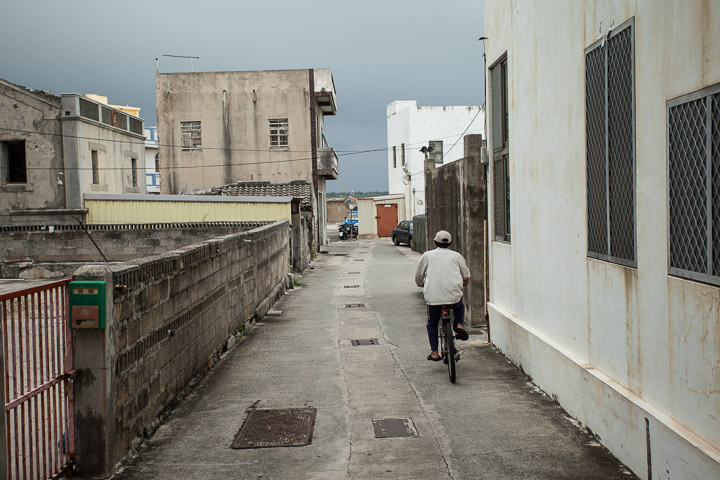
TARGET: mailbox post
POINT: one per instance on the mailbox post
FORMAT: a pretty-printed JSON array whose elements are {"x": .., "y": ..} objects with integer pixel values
[{"x": 87, "y": 304}]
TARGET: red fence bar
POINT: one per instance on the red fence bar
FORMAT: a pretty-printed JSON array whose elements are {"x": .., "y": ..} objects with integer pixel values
[{"x": 38, "y": 391}]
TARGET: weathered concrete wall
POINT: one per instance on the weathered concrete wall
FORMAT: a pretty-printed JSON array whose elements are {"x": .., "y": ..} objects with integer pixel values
[
  {"x": 631, "y": 352},
  {"x": 336, "y": 210},
  {"x": 234, "y": 109},
  {"x": 32, "y": 117},
  {"x": 22, "y": 251},
  {"x": 456, "y": 202},
  {"x": 169, "y": 318},
  {"x": 117, "y": 150}
]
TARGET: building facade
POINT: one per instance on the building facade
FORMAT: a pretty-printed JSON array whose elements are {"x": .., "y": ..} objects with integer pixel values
[
  {"x": 604, "y": 215},
  {"x": 220, "y": 128},
  {"x": 409, "y": 128},
  {"x": 54, "y": 149}
]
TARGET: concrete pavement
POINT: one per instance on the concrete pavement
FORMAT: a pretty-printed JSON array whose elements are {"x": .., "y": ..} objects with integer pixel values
[{"x": 493, "y": 423}]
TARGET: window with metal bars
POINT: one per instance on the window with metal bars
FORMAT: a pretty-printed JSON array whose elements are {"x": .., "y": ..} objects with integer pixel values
[
  {"x": 394, "y": 156},
  {"x": 191, "y": 134},
  {"x": 402, "y": 154},
  {"x": 95, "y": 164},
  {"x": 501, "y": 149},
  {"x": 693, "y": 125},
  {"x": 279, "y": 133},
  {"x": 610, "y": 146}
]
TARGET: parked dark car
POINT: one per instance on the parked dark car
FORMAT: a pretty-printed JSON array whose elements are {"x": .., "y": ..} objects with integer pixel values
[
  {"x": 403, "y": 233},
  {"x": 351, "y": 221}
]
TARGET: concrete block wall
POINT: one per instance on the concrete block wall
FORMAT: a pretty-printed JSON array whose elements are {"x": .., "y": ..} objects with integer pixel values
[
  {"x": 456, "y": 201},
  {"x": 171, "y": 317},
  {"x": 36, "y": 254}
]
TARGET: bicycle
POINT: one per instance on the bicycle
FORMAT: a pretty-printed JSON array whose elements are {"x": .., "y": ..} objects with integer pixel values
[{"x": 448, "y": 352}]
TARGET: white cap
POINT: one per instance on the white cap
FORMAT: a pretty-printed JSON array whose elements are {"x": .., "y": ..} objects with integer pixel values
[{"x": 442, "y": 237}]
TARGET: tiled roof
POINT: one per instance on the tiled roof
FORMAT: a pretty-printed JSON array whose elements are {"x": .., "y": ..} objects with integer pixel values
[{"x": 297, "y": 189}]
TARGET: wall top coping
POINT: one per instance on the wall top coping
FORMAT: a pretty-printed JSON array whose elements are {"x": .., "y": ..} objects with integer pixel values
[{"x": 183, "y": 198}]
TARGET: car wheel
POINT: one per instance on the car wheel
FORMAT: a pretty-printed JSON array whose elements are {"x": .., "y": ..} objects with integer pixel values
[
  {"x": 395, "y": 240},
  {"x": 410, "y": 242}
]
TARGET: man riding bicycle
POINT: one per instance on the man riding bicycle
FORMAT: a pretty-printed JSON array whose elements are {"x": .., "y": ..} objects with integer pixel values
[{"x": 442, "y": 273}]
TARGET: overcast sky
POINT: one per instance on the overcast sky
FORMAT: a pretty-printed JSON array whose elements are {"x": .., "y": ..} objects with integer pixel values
[{"x": 379, "y": 51}]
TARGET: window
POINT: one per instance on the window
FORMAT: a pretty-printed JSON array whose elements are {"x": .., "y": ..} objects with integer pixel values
[
  {"x": 13, "y": 167},
  {"x": 501, "y": 149},
  {"x": 95, "y": 167},
  {"x": 436, "y": 150},
  {"x": 279, "y": 133},
  {"x": 610, "y": 146},
  {"x": 694, "y": 185},
  {"x": 133, "y": 170},
  {"x": 394, "y": 156},
  {"x": 402, "y": 154},
  {"x": 191, "y": 135}
]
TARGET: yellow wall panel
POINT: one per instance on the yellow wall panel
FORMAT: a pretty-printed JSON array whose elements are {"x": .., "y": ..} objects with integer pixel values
[{"x": 115, "y": 212}]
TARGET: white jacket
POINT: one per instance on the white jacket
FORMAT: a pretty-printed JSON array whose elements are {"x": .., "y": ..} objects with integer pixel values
[{"x": 441, "y": 273}]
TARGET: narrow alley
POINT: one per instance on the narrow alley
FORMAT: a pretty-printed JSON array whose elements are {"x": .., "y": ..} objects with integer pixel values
[{"x": 493, "y": 423}]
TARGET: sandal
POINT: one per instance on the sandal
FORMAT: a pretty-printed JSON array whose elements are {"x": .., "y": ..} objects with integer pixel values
[
  {"x": 433, "y": 359},
  {"x": 461, "y": 334}
]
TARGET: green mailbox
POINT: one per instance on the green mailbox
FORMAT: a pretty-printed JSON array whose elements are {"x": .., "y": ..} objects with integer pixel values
[{"x": 87, "y": 304}]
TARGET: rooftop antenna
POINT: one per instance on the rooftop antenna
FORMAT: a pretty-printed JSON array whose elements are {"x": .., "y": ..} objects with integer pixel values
[{"x": 184, "y": 56}]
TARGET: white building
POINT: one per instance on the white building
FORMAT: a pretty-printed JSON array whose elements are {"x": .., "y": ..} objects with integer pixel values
[
  {"x": 409, "y": 128},
  {"x": 152, "y": 170},
  {"x": 605, "y": 218}
]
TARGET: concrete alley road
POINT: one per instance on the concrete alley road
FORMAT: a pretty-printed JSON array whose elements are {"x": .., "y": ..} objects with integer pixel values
[{"x": 492, "y": 424}]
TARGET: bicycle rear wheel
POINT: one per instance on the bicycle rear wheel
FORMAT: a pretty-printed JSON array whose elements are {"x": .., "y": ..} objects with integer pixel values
[{"x": 449, "y": 349}]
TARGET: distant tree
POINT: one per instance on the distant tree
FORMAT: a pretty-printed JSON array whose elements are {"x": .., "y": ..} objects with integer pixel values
[{"x": 357, "y": 194}]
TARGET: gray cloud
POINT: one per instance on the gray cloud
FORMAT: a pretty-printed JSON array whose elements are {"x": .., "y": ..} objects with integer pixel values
[{"x": 379, "y": 51}]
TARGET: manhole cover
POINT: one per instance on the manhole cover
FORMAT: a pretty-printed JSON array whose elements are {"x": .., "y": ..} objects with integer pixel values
[
  {"x": 352, "y": 286},
  {"x": 289, "y": 427},
  {"x": 354, "y": 305},
  {"x": 394, "y": 427},
  {"x": 359, "y": 259},
  {"x": 364, "y": 341},
  {"x": 353, "y": 273},
  {"x": 340, "y": 254}
]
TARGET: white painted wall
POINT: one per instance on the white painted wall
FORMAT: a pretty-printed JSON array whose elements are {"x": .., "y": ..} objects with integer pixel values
[
  {"x": 415, "y": 127},
  {"x": 618, "y": 346}
]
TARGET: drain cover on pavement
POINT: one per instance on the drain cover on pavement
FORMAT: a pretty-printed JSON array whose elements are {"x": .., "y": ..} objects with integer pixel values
[
  {"x": 364, "y": 341},
  {"x": 289, "y": 427},
  {"x": 394, "y": 427},
  {"x": 354, "y": 305},
  {"x": 352, "y": 286},
  {"x": 359, "y": 259},
  {"x": 353, "y": 273}
]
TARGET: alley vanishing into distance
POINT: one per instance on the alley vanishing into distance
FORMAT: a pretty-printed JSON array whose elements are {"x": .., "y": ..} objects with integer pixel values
[{"x": 493, "y": 423}]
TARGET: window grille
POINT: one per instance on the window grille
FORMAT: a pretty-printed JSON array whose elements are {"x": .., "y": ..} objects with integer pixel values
[
  {"x": 279, "y": 133},
  {"x": 191, "y": 135},
  {"x": 610, "y": 146},
  {"x": 402, "y": 154},
  {"x": 436, "y": 147},
  {"x": 501, "y": 149},
  {"x": 694, "y": 185},
  {"x": 89, "y": 109},
  {"x": 394, "y": 157},
  {"x": 136, "y": 126}
]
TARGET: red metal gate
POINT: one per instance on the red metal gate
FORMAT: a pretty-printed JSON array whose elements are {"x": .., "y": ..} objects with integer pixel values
[{"x": 37, "y": 347}]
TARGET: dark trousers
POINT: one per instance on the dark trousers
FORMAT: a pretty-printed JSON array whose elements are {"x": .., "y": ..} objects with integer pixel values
[{"x": 434, "y": 312}]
